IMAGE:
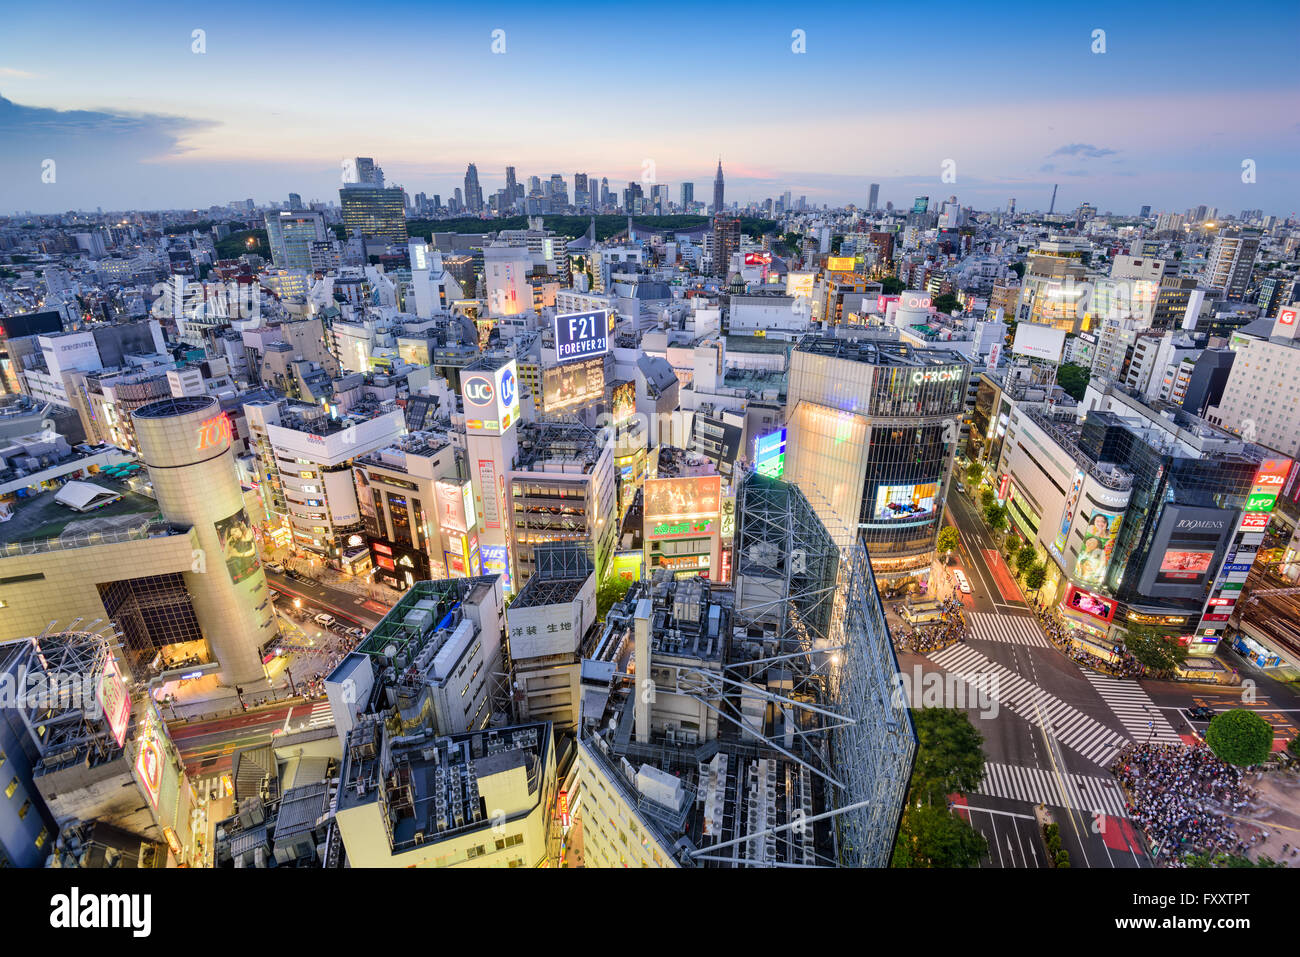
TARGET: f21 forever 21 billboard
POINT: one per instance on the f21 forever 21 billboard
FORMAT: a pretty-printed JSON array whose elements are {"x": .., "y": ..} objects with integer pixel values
[{"x": 1188, "y": 545}]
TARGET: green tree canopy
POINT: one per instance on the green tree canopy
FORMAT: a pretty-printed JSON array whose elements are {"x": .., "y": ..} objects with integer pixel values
[
  {"x": 612, "y": 589},
  {"x": 931, "y": 836},
  {"x": 1036, "y": 576},
  {"x": 1154, "y": 649},
  {"x": 948, "y": 540},
  {"x": 987, "y": 498},
  {"x": 945, "y": 303},
  {"x": 995, "y": 516},
  {"x": 1073, "y": 379},
  {"x": 974, "y": 472},
  {"x": 891, "y": 285},
  {"x": 949, "y": 755},
  {"x": 1025, "y": 558},
  {"x": 1240, "y": 737}
]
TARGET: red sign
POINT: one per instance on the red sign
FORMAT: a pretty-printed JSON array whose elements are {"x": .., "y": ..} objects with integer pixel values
[
  {"x": 1004, "y": 486},
  {"x": 562, "y": 803},
  {"x": 214, "y": 432},
  {"x": 1287, "y": 317},
  {"x": 1205, "y": 618},
  {"x": 1222, "y": 602},
  {"x": 1254, "y": 521}
]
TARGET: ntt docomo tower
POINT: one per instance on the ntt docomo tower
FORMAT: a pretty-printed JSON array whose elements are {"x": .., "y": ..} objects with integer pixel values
[{"x": 185, "y": 443}]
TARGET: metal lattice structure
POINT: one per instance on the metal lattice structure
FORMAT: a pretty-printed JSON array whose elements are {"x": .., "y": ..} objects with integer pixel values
[
  {"x": 59, "y": 705},
  {"x": 819, "y": 602}
]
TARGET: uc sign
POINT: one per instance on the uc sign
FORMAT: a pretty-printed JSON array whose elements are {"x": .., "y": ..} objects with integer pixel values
[{"x": 478, "y": 390}]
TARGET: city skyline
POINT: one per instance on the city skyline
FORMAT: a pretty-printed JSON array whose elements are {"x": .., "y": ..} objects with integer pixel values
[{"x": 168, "y": 127}]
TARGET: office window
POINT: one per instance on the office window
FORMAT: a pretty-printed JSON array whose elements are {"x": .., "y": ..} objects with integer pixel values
[
  {"x": 13, "y": 786},
  {"x": 22, "y": 811},
  {"x": 40, "y": 838}
]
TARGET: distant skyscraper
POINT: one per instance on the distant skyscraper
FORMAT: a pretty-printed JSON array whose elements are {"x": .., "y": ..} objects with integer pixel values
[
  {"x": 726, "y": 241},
  {"x": 717, "y": 190},
  {"x": 290, "y": 234},
  {"x": 512, "y": 187},
  {"x": 559, "y": 192},
  {"x": 295, "y": 201},
  {"x": 874, "y": 197},
  {"x": 1146, "y": 211},
  {"x": 375, "y": 212},
  {"x": 362, "y": 170},
  {"x": 1232, "y": 260},
  {"x": 604, "y": 191},
  {"x": 688, "y": 196},
  {"x": 473, "y": 191},
  {"x": 1011, "y": 206}
]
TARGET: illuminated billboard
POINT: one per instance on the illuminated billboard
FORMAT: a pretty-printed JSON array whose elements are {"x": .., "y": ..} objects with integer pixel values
[
  {"x": 1038, "y": 341},
  {"x": 150, "y": 760},
  {"x": 496, "y": 561},
  {"x": 114, "y": 699},
  {"x": 576, "y": 383},
  {"x": 580, "y": 335},
  {"x": 491, "y": 399},
  {"x": 623, "y": 399},
  {"x": 840, "y": 263},
  {"x": 455, "y": 506},
  {"x": 674, "y": 499},
  {"x": 1067, "y": 516},
  {"x": 1098, "y": 542},
  {"x": 1184, "y": 566},
  {"x": 235, "y": 534},
  {"x": 1088, "y": 603},
  {"x": 905, "y": 501},
  {"x": 761, "y": 259},
  {"x": 769, "y": 454}
]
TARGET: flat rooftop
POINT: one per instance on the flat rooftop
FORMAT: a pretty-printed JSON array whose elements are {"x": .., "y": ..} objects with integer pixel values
[
  {"x": 879, "y": 352},
  {"x": 40, "y": 517}
]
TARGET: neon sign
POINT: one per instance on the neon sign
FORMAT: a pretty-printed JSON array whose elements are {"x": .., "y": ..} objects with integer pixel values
[{"x": 214, "y": 432}]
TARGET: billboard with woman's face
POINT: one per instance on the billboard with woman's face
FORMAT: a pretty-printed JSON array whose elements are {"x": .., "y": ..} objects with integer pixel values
[
  {"x": 237, "y": 546},
  {"x": 1099, "y": 536}
]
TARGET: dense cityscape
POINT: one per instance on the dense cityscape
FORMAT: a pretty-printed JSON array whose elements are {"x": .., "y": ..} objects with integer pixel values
[{"x": 514, "y": 518}]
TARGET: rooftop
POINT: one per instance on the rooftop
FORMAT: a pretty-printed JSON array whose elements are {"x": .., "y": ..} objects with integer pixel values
[
  {"x": 879, "y": 352},
  {"x": 41, "y": 523}
]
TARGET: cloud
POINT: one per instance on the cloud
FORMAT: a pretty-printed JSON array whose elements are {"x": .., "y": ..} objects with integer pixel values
[
  {"x": 20, "y": 74},
  {"x": 1083, "y": 149},
  {"x": 95, "y": 152}
]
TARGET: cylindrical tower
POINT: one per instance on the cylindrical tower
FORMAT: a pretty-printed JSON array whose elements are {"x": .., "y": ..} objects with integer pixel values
[{"x": 185, "y": 443}]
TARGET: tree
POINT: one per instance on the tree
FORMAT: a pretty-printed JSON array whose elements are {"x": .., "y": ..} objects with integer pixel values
[
  {"x": 1240, "y": 737},
  {"x": 1293, "y": 747},
  {"x": 995, "y": 516},
  {"x": 1035, "y": 577},
  {"x": 1154, "y": 649},
  {"x": 974, "y": 472},
  {"x": 945, "y": 303},
  {"x": 949, "y": 755},
  {"x": 1025, "y": 558},
  {"x": 931, "y": 836},
  {"x": 948, "y": 540},
  {"x": 613, "y": 589},
  {"x": 1018, "y": 269},
  {"x": 891, "y": 286},
  {"x": 987, "y": 498},
  {"x": 1223, "y": 859},
  {"x": 1073, "y": 379}
]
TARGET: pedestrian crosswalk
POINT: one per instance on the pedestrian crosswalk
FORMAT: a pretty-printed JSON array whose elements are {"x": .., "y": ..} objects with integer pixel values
[
  {"x": 207, "y": 786},
  {"x": 1080, "y": 792},
  {"x": 320, "y": 715},
  {"x": 1074, "y": 729},
  {"x": 1134, "y": 708},
  {"x": 1018, "y": 629}
]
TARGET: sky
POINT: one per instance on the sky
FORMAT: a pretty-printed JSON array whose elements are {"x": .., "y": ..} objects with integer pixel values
[{"x": 136, "y": 112}]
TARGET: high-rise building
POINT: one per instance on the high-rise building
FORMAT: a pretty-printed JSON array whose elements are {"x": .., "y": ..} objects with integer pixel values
[
  {"x": 295, "y": 201},
  {"x": 604, "y": 192},
  {"x": 1144, "y": 212},
  {"x": 726, "y": 241},
  {"x": 362, "y": 171},
  {"x": 473, "y": 191},
  {"x": 290, "y": 235},
  {"x": 688, "y": 196},
  {"x": 718, "y": 190},
  {"x": 374, "y": 212},
  {"x": 1231, "y": 262},
  {"x": 512, "y": 187},
  {"x": 873, "y": 427},
  {"x": 874, "y": 198}
]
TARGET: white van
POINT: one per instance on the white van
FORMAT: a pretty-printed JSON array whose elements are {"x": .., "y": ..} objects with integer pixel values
[{"x": 324, "y": 620}]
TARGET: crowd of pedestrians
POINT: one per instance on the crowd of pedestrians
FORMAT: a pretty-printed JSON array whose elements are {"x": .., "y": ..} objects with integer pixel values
[
  {"x": 934, "y": 635},
  {"x": 1125, "y": 665},
  {"x": 1184, "y": 799}
]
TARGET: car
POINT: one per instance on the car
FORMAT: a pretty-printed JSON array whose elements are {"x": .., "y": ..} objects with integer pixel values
[
  {"x": 1200, "y": 713},
  {"x": 324, "y": 620},
  {"x": 961, "y": 487},
  {"x": 962, "y": 581},
  {"x": 356, "y": 633},
  {"x": 275, "y": 567}
]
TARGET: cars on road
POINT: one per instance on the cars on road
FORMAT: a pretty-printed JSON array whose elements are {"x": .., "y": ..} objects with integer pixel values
[
  {"x": 1201, "y": 713},
  {"x": 963, "y": 582}
]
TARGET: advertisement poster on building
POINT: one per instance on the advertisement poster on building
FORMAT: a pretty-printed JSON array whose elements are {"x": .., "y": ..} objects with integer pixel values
[
  {"x": 235, "y": 533},
  {"x": 1067, "y": 516},
  {"x": 697, "y": 497},
  {"x": 1098, "y": 542}
]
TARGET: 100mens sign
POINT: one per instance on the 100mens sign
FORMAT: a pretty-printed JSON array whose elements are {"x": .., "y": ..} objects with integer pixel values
[{"x": 581, "y": 334}]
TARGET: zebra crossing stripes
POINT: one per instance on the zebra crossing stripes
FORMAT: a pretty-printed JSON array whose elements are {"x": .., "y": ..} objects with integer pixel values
[
  {"x": 1074, "y": 729},
  {"x": 1134, "y": 708},
  {"x": 1082, "y": 792},
  {"x": 320, "y": 715},
  {"x": 1017, "y": 629}
]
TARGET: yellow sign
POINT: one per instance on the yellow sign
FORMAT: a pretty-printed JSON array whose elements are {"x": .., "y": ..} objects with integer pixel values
[{"x": 840, "y": 263}]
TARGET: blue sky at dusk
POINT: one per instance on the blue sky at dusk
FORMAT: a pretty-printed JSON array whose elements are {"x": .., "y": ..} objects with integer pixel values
[{"x": 1012, "y": 93}]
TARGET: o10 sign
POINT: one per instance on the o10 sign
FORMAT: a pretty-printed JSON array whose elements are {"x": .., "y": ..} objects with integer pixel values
[{"x": 579, "y": 335}]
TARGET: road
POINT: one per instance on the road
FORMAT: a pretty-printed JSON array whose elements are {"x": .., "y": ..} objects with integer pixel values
[
  {"x": 322, "y": 597},
  {"x": 975, "y": 549}
]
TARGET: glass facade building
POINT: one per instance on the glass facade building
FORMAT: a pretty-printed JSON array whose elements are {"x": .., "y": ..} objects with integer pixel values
[{"x": 872, "y": 430}]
